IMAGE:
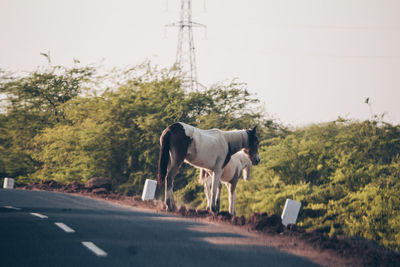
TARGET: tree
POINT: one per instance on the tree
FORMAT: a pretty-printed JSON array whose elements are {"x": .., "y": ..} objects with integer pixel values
[{"x": 32, "y": 103}]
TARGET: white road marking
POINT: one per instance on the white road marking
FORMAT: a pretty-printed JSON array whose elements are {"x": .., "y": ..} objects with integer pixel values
[
  {"x": 11, "y": 207},
  {"x": 39, "y": 215},
  {"x": 65, "y": 227},
  {"x": 95, "y": 249}
]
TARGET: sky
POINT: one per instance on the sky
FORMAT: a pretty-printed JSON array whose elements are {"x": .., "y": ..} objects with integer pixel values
[{"x": 307, "y": 61}]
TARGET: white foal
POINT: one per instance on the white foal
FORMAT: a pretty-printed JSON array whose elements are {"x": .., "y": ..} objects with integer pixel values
[{"x": 238, "y": 164}]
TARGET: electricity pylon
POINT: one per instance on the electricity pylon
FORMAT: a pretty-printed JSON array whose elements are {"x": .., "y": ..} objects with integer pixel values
[{"x": 185, "y": 52}]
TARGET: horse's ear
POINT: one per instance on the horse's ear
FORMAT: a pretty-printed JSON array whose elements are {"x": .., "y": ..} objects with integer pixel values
[{"x": 254, "y": 129}]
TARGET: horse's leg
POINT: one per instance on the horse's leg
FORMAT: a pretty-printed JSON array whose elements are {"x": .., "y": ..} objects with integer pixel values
[
  {"x": 216, "y": 177},
  {"x": 205, "y": 179},
  {"x": 169, "y": 186},
  {"x": 218, "y": 197},
  {"x": 207, "y": 189}
]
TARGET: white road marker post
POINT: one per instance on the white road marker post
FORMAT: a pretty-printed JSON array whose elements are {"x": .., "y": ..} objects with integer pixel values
[
  {"x": 290, "y": 212},
  {"x": 149, "y": 189},
  {"x": 8, "y": 183}
]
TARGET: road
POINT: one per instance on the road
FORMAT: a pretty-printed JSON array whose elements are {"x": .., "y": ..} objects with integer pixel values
[{"x": 39, "y": 228}]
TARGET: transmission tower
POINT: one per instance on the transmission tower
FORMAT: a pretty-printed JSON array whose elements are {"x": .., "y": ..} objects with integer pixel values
[{"x": 185, "y": 53}]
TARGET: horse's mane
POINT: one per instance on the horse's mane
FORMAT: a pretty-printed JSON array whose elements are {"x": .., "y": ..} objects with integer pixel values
[{"x": 236, "y": 139}]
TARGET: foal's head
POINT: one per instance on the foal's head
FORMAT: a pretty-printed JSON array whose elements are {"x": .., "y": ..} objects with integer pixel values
[{"x": 252, "y": 150}]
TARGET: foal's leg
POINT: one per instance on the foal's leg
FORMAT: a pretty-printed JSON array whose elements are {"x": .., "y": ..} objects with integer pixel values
[
  {"x": 228, "y": 186},
  {"x": 233, "y": 200},
  {"x": 232, "y": 197}
]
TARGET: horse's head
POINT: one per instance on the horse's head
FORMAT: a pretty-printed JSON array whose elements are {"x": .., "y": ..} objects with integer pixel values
[{"x": 252, "y": 150}]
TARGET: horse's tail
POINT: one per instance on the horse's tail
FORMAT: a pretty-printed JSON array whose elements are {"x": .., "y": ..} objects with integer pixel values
[{"x": 163, "y": 157}]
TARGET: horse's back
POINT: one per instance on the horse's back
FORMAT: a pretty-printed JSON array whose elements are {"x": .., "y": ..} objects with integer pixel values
[
  {"x": 192, "y": 131},
  {"x": 206, "y": 147}
]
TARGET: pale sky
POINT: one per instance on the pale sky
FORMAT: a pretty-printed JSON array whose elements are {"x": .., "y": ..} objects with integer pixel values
[{"x": 308, "y": 61}]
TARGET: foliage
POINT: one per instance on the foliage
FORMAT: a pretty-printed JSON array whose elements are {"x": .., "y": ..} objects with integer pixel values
[
  {"x": 345, "y": 173},
  {"x": 54, "y": 125},
  {"x": 73, "y": 137},
  {"x": 30, "y": 104}
]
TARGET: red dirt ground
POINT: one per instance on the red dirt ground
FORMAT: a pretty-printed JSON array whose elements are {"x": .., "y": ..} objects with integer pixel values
[{"x": 317, "y": 247}]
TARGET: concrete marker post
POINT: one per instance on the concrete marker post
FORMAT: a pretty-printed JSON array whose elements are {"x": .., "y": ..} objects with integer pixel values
[
  {"x": 290, "y": 212},
  {"x": 8, "y": 183},
  {"x": 149, "y": 189}
]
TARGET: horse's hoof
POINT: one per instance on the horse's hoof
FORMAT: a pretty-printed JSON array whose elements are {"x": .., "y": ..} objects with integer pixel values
[
  {"x": 169, "y": 206},
  {"x": 214, "y": 209},
  {"x": 170, "y": 209}
]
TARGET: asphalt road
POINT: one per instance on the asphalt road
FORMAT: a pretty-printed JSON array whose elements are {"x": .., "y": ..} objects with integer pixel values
[{"x": 53, "y": 229}]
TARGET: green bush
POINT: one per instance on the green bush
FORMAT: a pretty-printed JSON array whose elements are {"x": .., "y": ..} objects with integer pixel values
[{"x": 55, "y": 125}]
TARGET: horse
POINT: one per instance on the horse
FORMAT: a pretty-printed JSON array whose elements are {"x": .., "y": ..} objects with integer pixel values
[
  {"x": 208, "y": 149},
  {"x": 239, "y": 163}
]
